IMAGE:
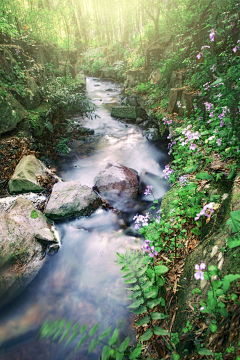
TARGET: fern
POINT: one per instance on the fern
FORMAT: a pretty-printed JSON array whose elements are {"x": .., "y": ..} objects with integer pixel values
[
  {"x": 147, "y": 290},
  {"x": 67, "y": 332}
]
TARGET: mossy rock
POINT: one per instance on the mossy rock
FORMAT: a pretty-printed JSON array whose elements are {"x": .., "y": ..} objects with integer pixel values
[{"x": 12, "y": 112}]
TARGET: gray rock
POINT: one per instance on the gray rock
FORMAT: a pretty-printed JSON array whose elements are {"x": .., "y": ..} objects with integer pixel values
[
  {"x": 130, "y": 112},
  {"x": 24, "y": 177},
  {"x": 36, "y": 200},
  {"x": 151, "y": 134},
  {"x": 117, "y": 184},
  {"x": 20, "y": 252},
  {"x": 139, "y": 120},
  {"x": 71, "y": 199},
  {"x": 45, "y": 235}
]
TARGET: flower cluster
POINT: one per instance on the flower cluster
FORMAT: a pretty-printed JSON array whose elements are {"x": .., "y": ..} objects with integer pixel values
[
  {"x": 213, "y": 68},
  {"x": 199, "y": 274},
  {"x": 183, "y": 180},
  {"x": 212, "y": 35},
  {"x": 166, "y": 121},
  {"x": 146, "y": 247},
  {"x": 158, "y": 217},
  {"x": 141, "y": 220},
  {"x": 168, "y": 171},
  {"x": 148, "y": 190},
  {"x": 203, "y": 211},
  {"x": 235, "y": 49},
  {"x": 206, "y": 86}
]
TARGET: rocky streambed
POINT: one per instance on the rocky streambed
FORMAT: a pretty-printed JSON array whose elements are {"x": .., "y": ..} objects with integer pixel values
[{"x": 94, "y": 198}]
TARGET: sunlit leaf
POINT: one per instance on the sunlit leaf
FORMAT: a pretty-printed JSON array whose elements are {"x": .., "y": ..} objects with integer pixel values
[
  {"x": 136, "y": 304},
  {"x": 143, "y": 321},
  {"x": 114, "y": 337},
  {"x": 140, "y": 310},
  {"x": 105, "y": 333},
  {"x": 124, "y": 344},
  {"x": 158, "y": 316},
  {"x": 93, "y": 330},
  {"x": 159, "y": 331},
  {"x": 92, "y": 346},
  {"x": 147, "y": 335}
]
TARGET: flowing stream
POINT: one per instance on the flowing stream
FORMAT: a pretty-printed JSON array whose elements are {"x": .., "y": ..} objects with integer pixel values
[{"x": 81, "y": 282}]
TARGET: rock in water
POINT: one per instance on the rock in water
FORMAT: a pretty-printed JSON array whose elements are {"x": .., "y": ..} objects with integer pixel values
[
  {"x": 117, "y": 184},
  {"x": 130, "y": 112},
  {"x": 20, "y": 252},
  {"x": 71, "y": 199},
  {"x": 24, "y": 177}
]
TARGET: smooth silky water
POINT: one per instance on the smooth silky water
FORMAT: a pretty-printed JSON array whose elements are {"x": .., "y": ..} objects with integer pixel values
[{"x": 81, "y": 282}]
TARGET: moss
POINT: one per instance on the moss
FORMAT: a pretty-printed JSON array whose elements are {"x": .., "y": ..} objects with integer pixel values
[{"x": 37, "y": 118}]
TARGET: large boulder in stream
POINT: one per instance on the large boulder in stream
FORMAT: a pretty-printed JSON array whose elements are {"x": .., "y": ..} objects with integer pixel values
[
  {"x": 21, "y": 255},
  {"x": 26, "y": 175},
  {"x": 71, "y": 199},
  {"x": 129, "y": 112},
  {"x": 117, "y": 184}
]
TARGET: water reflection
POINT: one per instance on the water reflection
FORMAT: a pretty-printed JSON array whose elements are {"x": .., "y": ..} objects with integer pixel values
[{"x": 82, "y": 282}]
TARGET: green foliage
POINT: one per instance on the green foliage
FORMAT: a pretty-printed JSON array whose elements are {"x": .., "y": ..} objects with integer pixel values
[
  {"x": 68, "y": 332},
  {"x": 34, "y": 214},
  {"x": 62, "y": 146}
]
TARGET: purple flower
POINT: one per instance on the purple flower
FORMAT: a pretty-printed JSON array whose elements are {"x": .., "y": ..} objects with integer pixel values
[
  {"x": 208, "y": 106},
  {"x": 201, "y": 308},
  {"x": 203, "y": 211},
  {"x": 141, "y": 220},
  {"x": 178, "y": 104},
  {"x": 212, "y": 35},
  {"x": 205, "y": 46},
  {"x": 199, "y": 55},
  {"x": 235, "y": 87},
  {"x": 148, "y": 190},
  {"x": 199, "y": 274},
  {"x": 219, "y": 95},
  {"x": 169, "y": 122},
  {"x": 219, "y": 142},
  {"x": 192, "y": 146},
  {"x": 169, "y": 136},
  {"x": 183, "y": 180},
  {"x": 213, "y": 68},
  {"x": 199, "y": 93},
  {"x": 168, "y": 171},
  {"x": 153, "y": 252},
  {"x": 235, "y": 49}
]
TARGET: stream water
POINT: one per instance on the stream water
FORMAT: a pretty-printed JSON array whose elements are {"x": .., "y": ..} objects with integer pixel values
[{"x": 81, "y": 281}]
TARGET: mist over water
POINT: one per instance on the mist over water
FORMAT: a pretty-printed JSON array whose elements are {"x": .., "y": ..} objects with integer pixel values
[{"x": 81, "y": 282}]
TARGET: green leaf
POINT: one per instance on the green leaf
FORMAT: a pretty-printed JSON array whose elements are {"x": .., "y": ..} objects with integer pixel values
[
  {"x": 136, "y": 352},
  {"x": 131, "y": 281},
  {"x": 134, "y": 295},
  {"x": 226, "y": 284},
  {"x": 204, "y": 176},
  {"x": 105, "y": 352},
  {"x": 158, "y": 316},
  {"x": 196, "y": 231},
  {"x": 190, "y": 169},
  {"x": 211, "y": 303},
  {"x": 232, "y": 243},
  {"x": 151, "y": 293},
  {"x": 105, "y": 333},
  {"x": 143, "y": 321},
  {"x": 93, "y": 330},
  {"x": 129, "y": 275},
  {"x": 159, "y": 331},
  {"x": 234, "y": 221},
  {"x": 213, "y": 328},
  {"x": 64, "y": 336},
  {"x": 83, "y": 329},
  {"x": 223, "y": 312},
  {"x": 124, "y": 344},
  {"x": 92, "y": 346},
  {"x": 75, "y": 327},
  {"x": 176, "y": 357},
  {"x": 80, "y": 342},
  {"x": 119, "y": 356},
  {"x": 205, "y": 351},
  {"x": 72, "y": 337},
  {"x": 147, "y": 335},
  {"x": 140, "y": 310},
  {"x": 147, "y": 285},
  {"x": 213, "y": 270},
  {"x": 136, "y": 304},
  {"x": 141, "y": 272},
  {"x": 154, "y": 302},
  {"x": 231, "y": 277},
  {"x": 136, "y": 287},
  {"x": 231, "y": 175},
  {"x": 114, "y": 337},
  {"x": 160, "y": 269}
]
